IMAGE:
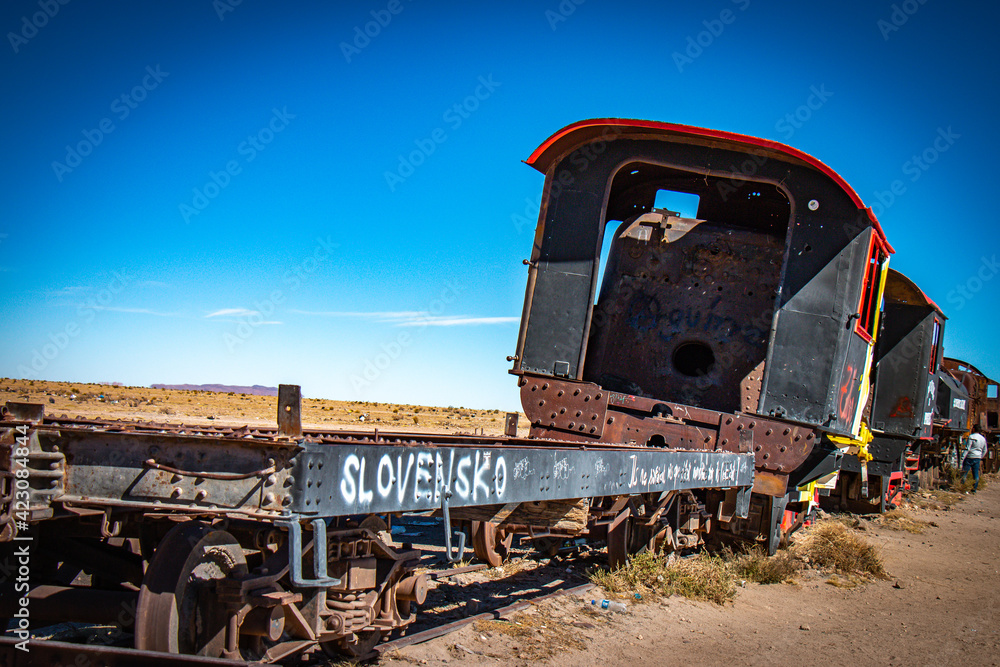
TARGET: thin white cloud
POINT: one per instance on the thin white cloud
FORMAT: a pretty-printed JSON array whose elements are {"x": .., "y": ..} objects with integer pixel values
[
  {"x": 456, "y": 321},
  {"x": 233, "y": 312},
  {"x": 378, "y": 316},
  {"x": 142, "y": 311},
  {"x": 411, "y": 318},
  {"x": 71, "y": 291},
  {"x": 234, "y": 315}
]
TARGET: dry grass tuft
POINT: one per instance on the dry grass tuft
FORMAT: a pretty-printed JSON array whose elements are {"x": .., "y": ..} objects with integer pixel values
[
  {"x": 936, "y": 499},
  {"x": 756, "y": 566},
  {"x": 900, "y": 520},
  {"x": 955, "y": 483},
  {"x": 831, "y": 544},
  {"x": 837, "y": 582},
  {"x": 507, "y": 628},
  {"x": 539, "y": 636},
  {"x": 699, "y": 577},
  {"x": 710, "y": 577}
]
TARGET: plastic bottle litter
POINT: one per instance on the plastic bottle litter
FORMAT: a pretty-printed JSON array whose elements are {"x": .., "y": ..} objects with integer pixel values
[{"x": 609, "y": 605}]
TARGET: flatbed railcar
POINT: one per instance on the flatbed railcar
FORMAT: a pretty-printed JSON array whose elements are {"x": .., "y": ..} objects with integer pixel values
[{"x": 261, "y": 544}]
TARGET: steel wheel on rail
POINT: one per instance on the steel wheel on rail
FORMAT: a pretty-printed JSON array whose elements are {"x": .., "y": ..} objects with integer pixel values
[
  {"x": 621, "y": 539},
  {"x": 490, "y": 543},
  {"x": 359, "y": 645},
  {"x": 179, "y": 610}
]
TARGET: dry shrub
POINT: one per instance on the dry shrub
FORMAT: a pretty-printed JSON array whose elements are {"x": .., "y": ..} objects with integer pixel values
[
  {"x": 900, "y": 520},
  {"x": 756, "y": 566},
  {"x": 831, "y": 544},
  {"x": 538, "y": 636},
  {"x": 955, "y": 482},
  {"x": 699, "y": 577}
]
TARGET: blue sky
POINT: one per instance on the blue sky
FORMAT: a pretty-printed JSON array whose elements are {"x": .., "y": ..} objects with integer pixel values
[{"x": 201, "y": 192}]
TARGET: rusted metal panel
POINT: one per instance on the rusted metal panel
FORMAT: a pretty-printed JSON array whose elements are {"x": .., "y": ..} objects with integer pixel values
[
  {"x": 289, "y": 411},
  {"x": 162, "y": 471},
  {"x": 510, "y": 424},
  {"x": 687, "y": 320},
  {"x": 565, "y": 406}
]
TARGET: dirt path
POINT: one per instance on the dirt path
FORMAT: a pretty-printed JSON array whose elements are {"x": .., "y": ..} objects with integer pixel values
[{"x": 939, "y": 608}]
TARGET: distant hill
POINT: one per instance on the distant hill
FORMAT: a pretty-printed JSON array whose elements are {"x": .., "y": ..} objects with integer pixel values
[{"x": 256, "y": 390}]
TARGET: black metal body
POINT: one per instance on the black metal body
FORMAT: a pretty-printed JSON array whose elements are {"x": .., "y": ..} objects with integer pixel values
[
  {"x": 789, "y": 231},
  {"x": 907, "y": 356}
]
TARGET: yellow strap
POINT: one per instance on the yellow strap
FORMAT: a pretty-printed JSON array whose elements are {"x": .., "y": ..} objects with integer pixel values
[{"x": 861, "y": 442}]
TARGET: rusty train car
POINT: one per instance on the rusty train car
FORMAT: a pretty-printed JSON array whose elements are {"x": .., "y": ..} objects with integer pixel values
[
  {"x": 749, "y": 327},
  {"x": 728, "y": 360},
  {"x": 903, "y": 399},
  {"x": 979, "y": 405}
]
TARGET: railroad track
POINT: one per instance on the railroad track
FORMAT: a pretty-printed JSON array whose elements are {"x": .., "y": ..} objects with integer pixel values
[{"x": 436, "y": 622}]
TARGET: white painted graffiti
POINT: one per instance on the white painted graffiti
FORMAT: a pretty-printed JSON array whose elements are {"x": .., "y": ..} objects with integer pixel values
[
  {"x": 522, "y": 469},
  {"x": 687, "y": 471},
  {"x": 601, "y": 468},
  {"x": 412, "y": 477},
  {"x": 561, "y": 469}
]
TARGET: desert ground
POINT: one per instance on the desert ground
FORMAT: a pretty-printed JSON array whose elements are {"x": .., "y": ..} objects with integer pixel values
[
  {"x": 937, "y": 606},
  {"x": 105, "y": 401}
]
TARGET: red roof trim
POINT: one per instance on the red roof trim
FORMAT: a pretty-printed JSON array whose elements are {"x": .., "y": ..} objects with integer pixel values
[{"x": 541, "y": 158}]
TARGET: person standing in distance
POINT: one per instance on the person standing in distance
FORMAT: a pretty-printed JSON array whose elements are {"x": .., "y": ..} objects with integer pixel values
[{"x": 974, "y": 455}]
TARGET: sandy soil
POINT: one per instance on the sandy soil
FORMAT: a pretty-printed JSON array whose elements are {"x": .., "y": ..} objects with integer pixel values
[
  {"x": 940, "y": 607},
  {"x": 79, "y": 399}
]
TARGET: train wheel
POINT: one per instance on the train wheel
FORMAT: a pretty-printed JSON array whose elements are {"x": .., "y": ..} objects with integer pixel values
[
  {"x": 179, "y": 610},
  {"x": 490, "y": 543},
  {"x": 359, "y": 645},
  {"x": 626, "y": 536}
]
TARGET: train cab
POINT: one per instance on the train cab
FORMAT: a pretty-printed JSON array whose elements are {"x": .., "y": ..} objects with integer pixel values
[{"x": 697, "y": 289}]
